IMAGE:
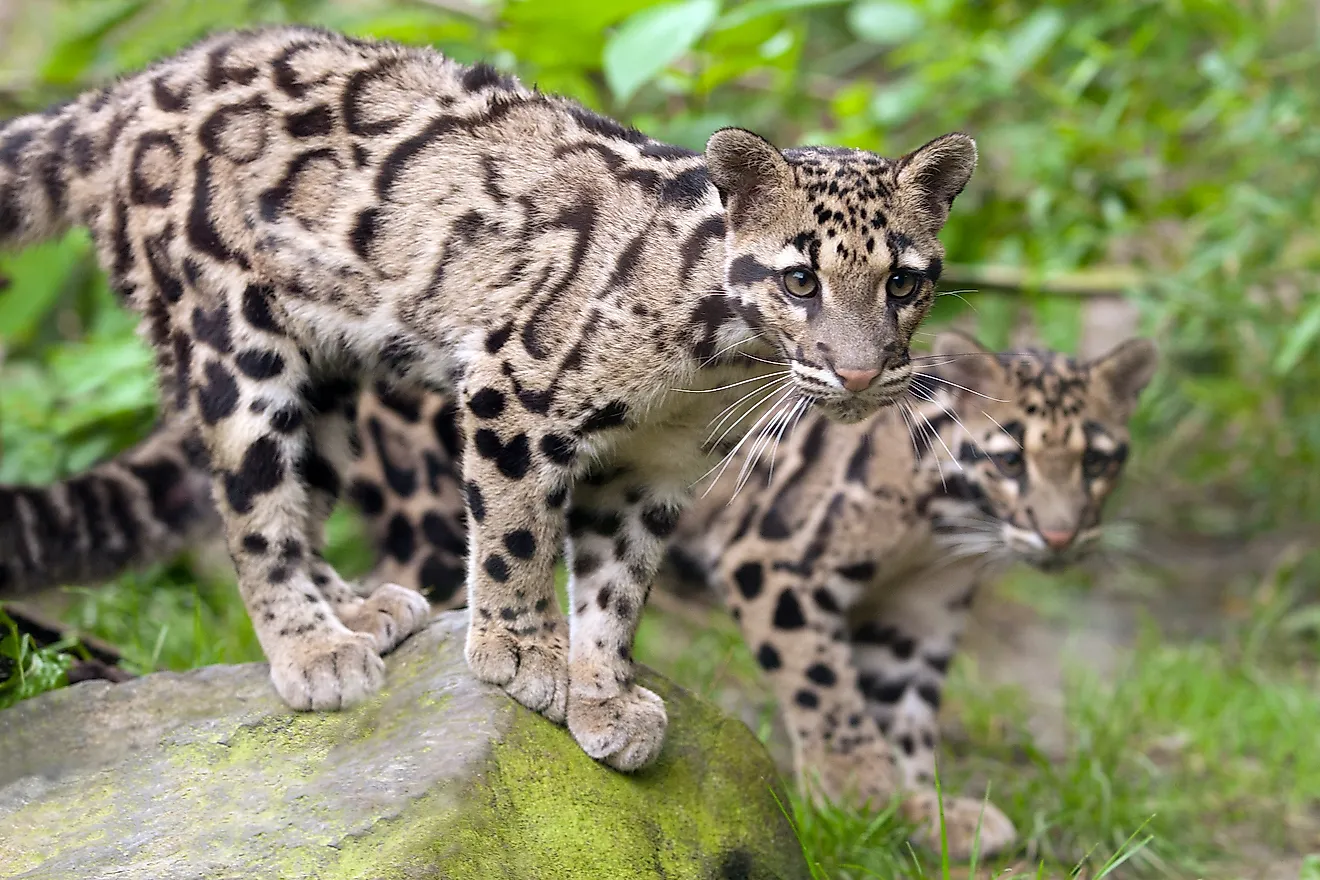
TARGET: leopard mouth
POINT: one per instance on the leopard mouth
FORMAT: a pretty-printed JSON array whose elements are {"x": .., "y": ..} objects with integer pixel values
[{"x": 848, "y": 407}]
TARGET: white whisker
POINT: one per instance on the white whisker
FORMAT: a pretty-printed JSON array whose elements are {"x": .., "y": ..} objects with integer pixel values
[
  {"x": 785, "y": 408},
  {"x": 764, "y": 361},
  {"x": 931, "y": 428},
  {"x": 911, "y": 430},
  {"x": 936, "y": 378},
  {"x": 966, "y": 354},
  {"x": 958, "y": 294},
  {"x": 723, "y": 463},
  {"x": 1001, "y": 427},
  {"x": 731, "y": 384},
  {"x": 952, "y": 458},
  {"x": 735, "y": 344},
  {"x": 770, "y": 391},
  {"x": 951, "y": 414},
  {"x": 799, "y": 409}
]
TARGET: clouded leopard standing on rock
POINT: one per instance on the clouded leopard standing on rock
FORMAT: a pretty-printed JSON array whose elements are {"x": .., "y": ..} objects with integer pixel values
[
  {"x": 294, "y": 212},
  {"x": 850, "y": 566}
]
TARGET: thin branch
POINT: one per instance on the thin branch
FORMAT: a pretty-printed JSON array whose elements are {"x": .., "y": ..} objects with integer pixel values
[{"x": 1105, "y": 281}]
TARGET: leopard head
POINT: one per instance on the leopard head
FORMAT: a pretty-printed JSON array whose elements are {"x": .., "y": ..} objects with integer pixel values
[
  {"x": 833, "y": 255},
  {"x": 1041, "y": 440}
]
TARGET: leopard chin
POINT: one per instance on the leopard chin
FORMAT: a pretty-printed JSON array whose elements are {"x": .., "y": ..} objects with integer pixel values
[{"x": 851, "y": 411}]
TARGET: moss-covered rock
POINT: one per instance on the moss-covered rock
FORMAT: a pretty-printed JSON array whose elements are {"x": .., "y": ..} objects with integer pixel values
[{"x": 206, "y": 775}]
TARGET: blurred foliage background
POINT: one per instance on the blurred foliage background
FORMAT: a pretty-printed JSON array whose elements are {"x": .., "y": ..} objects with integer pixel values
[{"x": 1163, "y": 152}]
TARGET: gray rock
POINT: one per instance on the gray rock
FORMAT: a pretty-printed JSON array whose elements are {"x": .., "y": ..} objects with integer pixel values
[{"x": 205, "y": 774}]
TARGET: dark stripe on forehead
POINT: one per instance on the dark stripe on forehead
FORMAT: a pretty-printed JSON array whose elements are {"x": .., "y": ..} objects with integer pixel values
[
  {"x": 809, "y": 244},
  {"x": 897, "y": 242}
]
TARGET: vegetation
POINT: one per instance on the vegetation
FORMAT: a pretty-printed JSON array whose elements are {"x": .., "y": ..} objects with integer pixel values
[{"x": 1157, "y": 154}]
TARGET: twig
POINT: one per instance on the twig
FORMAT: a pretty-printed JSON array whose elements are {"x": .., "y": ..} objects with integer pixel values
[{"x": 1106, "y": 281}]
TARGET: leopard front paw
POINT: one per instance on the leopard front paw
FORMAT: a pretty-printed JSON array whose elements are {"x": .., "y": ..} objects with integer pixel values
[
  {"x": 625, "y": 731},
  {"x": 532, "y": 669},
  {"x": 389, "y": 615},
  {"x": 968, "y": 824},
  {"x": 335, "y": 671}
]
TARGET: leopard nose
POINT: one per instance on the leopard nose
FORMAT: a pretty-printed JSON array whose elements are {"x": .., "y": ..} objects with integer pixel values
[
  {"x": 1058, "y": 540},
  {"x": 857, "y": 380}
]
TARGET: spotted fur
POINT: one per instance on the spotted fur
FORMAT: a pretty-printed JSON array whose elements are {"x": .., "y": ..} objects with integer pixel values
[
  {"x": 852, "y": 568},
  {"x": 297, "y": 215}
]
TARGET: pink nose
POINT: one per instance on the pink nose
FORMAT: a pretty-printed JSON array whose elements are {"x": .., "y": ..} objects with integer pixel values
[
  {"x": 1058, "y": 540},
  {"x": 857, "y": 380}
]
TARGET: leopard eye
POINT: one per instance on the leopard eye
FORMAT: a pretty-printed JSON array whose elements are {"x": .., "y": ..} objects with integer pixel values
[
  {"x": 901, "y": 284},
  {"x": 801, "y": 283},
  {"x": 1095, "y": 464},
  {"x": 1010, "y": 464}
]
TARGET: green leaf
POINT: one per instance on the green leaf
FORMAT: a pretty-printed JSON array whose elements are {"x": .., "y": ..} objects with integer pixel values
[
  {"x": 1298, "y": 341},
  {"x": 760, "y": 8},
  {"x": 897, "y": 102},
  {"x": 1028, "y": 42},
  {"x": 37, "y": 276},
  {"x": 887, "y": 22},
  {"x": 652, "y": 39},
  {"x": 25, "y": 669}
]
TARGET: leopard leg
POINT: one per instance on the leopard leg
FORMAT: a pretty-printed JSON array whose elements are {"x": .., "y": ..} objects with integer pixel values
[
  {"x": 516, "y": 484},
  {"x": 903, "y": 642},
  {"x": 250, "y": 405},
  {"x": 621, "y": 515},
  {"x": 791, "y": 613},
  {"x": 407, "y": 484},
  {"x": 438, "y": 512},
  {"x": 389, "y": 612}
]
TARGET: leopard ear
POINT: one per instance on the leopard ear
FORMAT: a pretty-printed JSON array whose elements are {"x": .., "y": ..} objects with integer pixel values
[
  {"x": 747, "y": 170},
  {"x": 934, "y": 174},
  {"x": 961, "y": 359},
  {"x": 1126, "y": 370}
]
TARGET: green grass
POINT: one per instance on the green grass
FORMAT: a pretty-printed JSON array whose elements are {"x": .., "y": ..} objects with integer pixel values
[
  {"x": 1196, "y": 758},
  {"x": 1205, "y": 752},
  {"x": 25, "y": 669},
  {"x": 176, "y": 616}
]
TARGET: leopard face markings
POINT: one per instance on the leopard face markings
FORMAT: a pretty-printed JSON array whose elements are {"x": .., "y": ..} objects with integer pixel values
[
  {"x": 1042, "y": 448},
  {"x": 298, "y": 215},
  {"x": 833, "y": 258}
]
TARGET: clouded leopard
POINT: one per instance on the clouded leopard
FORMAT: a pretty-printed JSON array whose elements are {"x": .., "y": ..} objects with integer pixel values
[
  {"x": 850, "y": 566},
  {"x": 294, "y": 213}
]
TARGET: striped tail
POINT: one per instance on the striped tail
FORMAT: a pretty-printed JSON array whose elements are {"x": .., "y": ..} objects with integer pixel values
[
  {"x": 51, "y": 163},
  {"x": 144, "y": 506}
]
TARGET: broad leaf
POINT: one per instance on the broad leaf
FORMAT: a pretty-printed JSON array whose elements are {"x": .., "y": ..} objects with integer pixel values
[{"x": 651, "y": 40}]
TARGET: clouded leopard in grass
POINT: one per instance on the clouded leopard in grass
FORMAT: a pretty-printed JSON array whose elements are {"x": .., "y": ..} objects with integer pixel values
[{"x": 294, "y": 213}]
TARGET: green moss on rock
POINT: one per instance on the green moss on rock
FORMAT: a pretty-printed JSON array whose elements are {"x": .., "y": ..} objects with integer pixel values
[{"x": 206, "y": 775}]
